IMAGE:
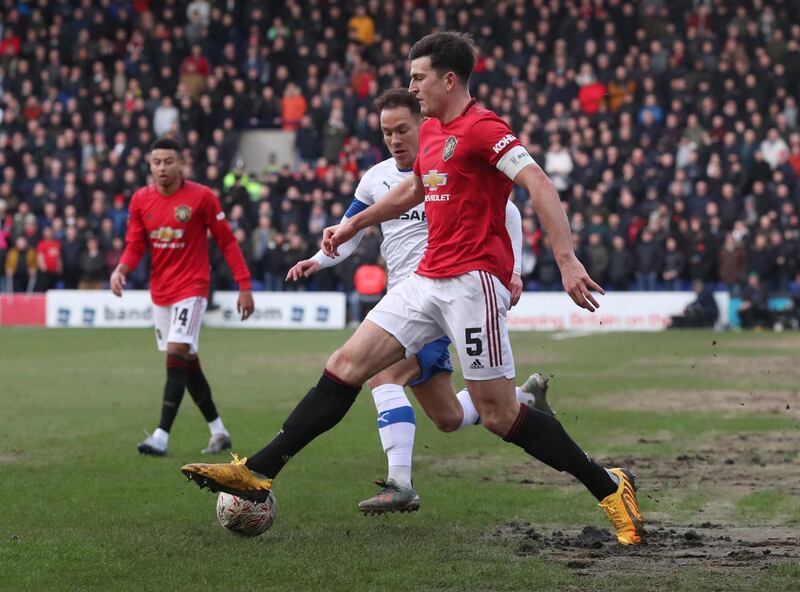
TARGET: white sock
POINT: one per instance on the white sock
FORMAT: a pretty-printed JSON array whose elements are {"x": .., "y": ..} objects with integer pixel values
[
  {"x": 396, "y": 427},
  {"x": 161, "y": 436},
  {"x": 400, "y": 475},
  {"x": 471, "y": 416},
  {"x": 524, "y": 397},
  {"x": 217, "y": 427}
]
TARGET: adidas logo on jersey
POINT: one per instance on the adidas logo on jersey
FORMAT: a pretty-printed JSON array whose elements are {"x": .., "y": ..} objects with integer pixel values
[{"x": 476, "y": 365}]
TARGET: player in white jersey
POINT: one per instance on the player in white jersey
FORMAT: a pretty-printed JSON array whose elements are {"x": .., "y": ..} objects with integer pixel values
[
  {"x": 404, "y": 238},
  {"x": 404, "y": 241}
]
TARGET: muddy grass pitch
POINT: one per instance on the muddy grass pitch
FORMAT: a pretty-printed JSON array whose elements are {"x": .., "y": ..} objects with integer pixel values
[
  {"x": 741, "y": 464},
  {"x": 709, "y": 422},
  {"x": 719, "y": 501}
]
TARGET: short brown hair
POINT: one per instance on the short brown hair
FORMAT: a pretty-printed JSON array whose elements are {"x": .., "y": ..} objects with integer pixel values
[
  {"x": 449, "y": 51},
  {"x": 398, "y": 97}
]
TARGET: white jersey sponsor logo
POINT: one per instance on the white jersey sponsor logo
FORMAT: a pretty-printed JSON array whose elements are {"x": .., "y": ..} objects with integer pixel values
[
  {"x": 504, "y": 141},
  {"x": 404, "y": 238}
]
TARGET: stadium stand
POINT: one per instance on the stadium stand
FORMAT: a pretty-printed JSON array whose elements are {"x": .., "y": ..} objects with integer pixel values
[{"x": 669, "y": 127}]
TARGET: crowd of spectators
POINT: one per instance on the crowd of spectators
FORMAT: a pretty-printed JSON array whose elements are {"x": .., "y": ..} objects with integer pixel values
[{"x": 670, "y": 128}]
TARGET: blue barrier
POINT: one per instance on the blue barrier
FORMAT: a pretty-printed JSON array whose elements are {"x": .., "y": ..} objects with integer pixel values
[{"x": 775, "y": 303}]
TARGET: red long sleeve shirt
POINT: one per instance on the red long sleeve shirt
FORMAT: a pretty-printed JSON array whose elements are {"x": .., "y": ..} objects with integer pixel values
[{"x": 175, "y": 228}]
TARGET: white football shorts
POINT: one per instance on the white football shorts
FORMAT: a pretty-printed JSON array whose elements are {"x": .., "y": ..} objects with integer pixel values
[
  {"x": 470, "y": 309},
  {"x": 180, "y": 322}
]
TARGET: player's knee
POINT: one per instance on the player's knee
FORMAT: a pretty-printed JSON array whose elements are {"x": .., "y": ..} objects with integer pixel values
[
  {"x": 345, "y": 366},
  {"x": 499, "y": 421},
  {"x": 181, "y": 350},
  {"x": 495, "y": 425},
  {"x": 447, "y": 422},
  {"x": 448, "y": 426}
]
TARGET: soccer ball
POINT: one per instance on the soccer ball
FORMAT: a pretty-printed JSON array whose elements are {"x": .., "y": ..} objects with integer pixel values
[{"x": 244, "y": 517}]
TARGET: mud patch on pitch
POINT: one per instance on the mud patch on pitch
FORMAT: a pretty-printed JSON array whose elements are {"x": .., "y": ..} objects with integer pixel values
[
  {"x": 734, "y": 464},
  {"x": 739, "y": 371},
  {"x": 784, "y": 402},
  {"x": 11, "y": 456},
  {"x": 723, "y": 469},
  {"x": 714, "y": 547},
  {"x": 770, "y": 369},
  {"x": 706, "y": 533}
]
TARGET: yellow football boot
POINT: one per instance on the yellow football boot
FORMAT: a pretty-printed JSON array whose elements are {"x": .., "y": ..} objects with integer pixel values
[
  {"x": 622, "y": 509},
  {"x": 233, "y": 477}
]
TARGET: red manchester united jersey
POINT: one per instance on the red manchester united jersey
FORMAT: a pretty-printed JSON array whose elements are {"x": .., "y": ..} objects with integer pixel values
[
  {"x": 176, "y": 228},
  {"x": 465, "y": 194}
]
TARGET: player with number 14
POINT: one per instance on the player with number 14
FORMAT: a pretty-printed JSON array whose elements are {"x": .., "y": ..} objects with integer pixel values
[{"x": 173, "y": 216}]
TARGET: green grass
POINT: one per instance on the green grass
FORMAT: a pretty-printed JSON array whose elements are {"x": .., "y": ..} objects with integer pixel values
[
  {"x": 770, "y": 505},
  {"x": 80, "y": 510}
]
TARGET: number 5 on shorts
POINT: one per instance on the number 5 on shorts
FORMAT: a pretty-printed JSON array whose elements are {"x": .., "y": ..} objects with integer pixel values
[{"x": 474, "y": 343}]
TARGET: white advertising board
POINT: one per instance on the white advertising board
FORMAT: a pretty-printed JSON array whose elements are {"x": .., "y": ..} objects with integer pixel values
[
  {"x": 543, "y": 311},
  {"x": 281, "y": 310},
  {"x": 98, "y": 308},
  {"x": 273, "y": 310},
  {"x": 619, "y": 311}
]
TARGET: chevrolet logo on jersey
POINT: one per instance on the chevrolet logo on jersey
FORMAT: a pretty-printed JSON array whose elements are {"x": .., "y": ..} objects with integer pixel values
[
  {"x": 434, "y": 179},
  {"x": 166, "y": 234}
]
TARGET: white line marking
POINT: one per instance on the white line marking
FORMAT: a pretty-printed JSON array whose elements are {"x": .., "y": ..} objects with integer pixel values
[{"x": 561, "y": 335}]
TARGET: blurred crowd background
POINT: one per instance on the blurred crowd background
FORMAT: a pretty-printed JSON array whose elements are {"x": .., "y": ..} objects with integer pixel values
[{"x": 670, "y": 128}]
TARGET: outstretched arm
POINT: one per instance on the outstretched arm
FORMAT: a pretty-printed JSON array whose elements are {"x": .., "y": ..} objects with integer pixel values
[
  {"x": 576, "y": 280},
  {"x": 309, "y": 267},
  {"x": 399, "y": 200}
]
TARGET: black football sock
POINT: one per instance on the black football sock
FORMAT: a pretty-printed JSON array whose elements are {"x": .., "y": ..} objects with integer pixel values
[
  {"x": 200, "y": 390},
  {"x": 321, "y": 409},
  {"x": 173, "y": 390},
  {"x": 544, "y": 438}
]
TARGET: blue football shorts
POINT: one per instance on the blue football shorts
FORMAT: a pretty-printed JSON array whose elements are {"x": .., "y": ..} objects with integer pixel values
[{"x": 433, "y": 357}]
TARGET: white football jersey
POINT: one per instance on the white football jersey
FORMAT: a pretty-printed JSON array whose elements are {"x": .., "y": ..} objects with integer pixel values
[{"x": 404, "y": 238}]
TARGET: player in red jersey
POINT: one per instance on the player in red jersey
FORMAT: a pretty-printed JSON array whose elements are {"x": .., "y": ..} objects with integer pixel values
[
  {"x": 173, "y": 218},
  {"x": 468, "y": 159}
]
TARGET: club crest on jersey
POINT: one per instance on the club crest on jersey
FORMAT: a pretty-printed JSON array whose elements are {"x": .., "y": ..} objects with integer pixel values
[
  {"x": 434, "y": 179},
  {"x": 183, "y": 213},
  {"x": 449, "y": 147}
]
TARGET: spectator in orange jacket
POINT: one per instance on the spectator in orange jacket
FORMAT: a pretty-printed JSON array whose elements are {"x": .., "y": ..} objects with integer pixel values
[
  {"x": 361, "y": 26},
  {"x": 293, "y": 107},
  {"x": 620, "y": 89}
]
